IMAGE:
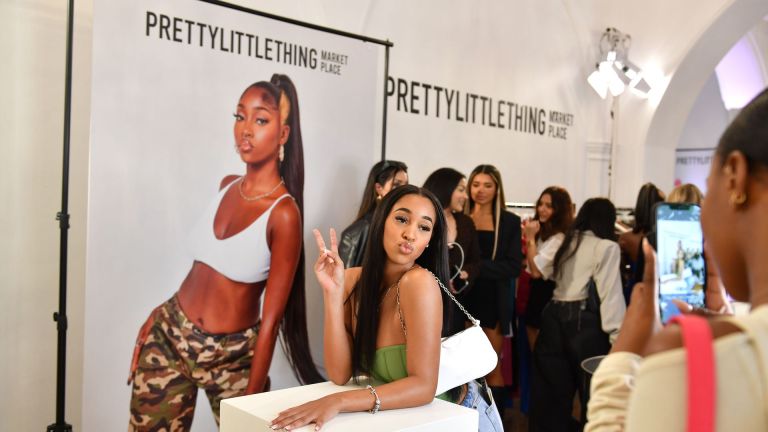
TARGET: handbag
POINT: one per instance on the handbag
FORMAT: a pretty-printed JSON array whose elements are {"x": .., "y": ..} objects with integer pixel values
[
  {"x": 593, "y": 298},
  {"x": 593, "y": 303},
  {"x": 464, "y": 356}
]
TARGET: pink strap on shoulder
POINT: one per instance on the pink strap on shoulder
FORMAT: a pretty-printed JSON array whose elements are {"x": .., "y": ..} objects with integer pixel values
[{"x": 702, "y": 391}]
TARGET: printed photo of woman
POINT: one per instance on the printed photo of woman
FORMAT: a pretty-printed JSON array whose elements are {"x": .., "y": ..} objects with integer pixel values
[{"x": 213, "y": 333}]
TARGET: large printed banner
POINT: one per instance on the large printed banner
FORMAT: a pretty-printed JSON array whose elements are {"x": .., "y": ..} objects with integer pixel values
[
  {"x": 167, "y": 78},
  {"x": 461, "y": 93},
  {"x": 692, "y": 166}
]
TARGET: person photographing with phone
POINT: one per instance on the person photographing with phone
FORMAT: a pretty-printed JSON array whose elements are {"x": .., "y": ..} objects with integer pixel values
[{"x": 643, "y": 383}]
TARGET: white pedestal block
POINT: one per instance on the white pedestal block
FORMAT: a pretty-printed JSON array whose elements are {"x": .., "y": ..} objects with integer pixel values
[{"x": 254, "y": 412}]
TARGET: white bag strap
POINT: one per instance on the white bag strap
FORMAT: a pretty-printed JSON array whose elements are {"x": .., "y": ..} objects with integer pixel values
[{"x": 458, "y": 247}]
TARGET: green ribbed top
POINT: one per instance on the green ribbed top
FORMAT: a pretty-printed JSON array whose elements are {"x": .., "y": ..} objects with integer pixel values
[{"x": 389, "y": 364}]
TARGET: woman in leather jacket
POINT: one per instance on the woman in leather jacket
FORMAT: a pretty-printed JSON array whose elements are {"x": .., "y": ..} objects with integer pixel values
[{"x": 384, "y": 176}]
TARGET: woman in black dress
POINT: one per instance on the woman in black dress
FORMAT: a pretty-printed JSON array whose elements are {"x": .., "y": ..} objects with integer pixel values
[{"x": 450, "y": 188}]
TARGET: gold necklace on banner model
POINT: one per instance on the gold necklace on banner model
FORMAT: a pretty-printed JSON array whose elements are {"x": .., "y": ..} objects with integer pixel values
[{"x": 260, "y": 196}]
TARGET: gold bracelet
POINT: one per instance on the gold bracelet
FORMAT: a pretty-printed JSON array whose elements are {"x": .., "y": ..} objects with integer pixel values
[{"x": 377, "y": 403}]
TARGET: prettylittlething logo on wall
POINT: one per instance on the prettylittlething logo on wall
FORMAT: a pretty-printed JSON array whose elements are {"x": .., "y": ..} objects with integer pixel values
[
  {"x": 185, "y": 31},
  {"x": 424, "y": 99}
]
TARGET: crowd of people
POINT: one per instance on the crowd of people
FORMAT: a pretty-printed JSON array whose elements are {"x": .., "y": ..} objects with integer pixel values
[
  {"x": 569, "y": 284},
  {"x": 592, "y": 291}
]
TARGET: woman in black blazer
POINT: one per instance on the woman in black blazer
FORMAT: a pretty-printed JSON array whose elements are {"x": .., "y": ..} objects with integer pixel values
[{"x": 491, "y": 300}]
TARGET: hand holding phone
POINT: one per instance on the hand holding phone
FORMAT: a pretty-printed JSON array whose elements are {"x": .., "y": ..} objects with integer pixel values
[{"x": 641, "y": 321}]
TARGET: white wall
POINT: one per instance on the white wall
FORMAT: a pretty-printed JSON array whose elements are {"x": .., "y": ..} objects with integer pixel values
[
  {"x": 707, "y": 120},
  {"x": 723, "y": 23},
  {"x": 538, "y": 53},
  {"x": 544, "y": 51},
  {"x": 31, "y": 119}
]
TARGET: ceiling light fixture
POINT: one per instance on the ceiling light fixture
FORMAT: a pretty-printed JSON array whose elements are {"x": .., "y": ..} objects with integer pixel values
[{"x": 614, "y": 72}]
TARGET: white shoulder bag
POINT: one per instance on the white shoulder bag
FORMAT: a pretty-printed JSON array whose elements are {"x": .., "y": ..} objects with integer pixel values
[{"x": 464, "y": 356}]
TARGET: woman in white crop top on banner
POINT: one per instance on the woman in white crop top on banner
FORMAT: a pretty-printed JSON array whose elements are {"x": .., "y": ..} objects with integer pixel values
[{"x": 211, "y": 334}]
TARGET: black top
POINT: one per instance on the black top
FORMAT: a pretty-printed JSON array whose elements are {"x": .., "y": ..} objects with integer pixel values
[
  {"x": 485, "y": 238},
  {"x": 491, "y": 299},
  {"x": 466, "y": 237},
  {"x": 509, "y": 252}
]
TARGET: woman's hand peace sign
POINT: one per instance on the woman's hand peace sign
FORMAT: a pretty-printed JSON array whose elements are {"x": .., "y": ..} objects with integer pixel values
[{"x": 329, "y": 268}]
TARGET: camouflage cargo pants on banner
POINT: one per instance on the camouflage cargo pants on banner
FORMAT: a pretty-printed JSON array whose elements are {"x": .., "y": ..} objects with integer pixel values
[{"x": 173, "y": 358}]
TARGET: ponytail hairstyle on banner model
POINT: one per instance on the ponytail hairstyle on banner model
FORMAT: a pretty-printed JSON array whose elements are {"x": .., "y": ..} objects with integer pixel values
[
  {"x": 293, "y": 328},
  {"x": 499, "y": 204},
  {"x": 597, "y": 215},
  {"x": 562, "y": 212},
  {"x": 367, "y": 293}
]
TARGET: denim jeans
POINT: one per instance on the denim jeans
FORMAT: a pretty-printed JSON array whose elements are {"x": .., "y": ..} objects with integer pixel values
[{"x": 479, "y": 398}]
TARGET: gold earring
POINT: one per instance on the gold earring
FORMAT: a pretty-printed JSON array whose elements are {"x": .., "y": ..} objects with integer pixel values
[
  {"x": 281, "y": 153},
  {"x": 738, "y": 198}
]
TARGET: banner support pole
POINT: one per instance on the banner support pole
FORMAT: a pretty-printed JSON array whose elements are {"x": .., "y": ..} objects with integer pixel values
[
  {"x": 63, "y": 217},
  {"x": 384, "y": 114}
]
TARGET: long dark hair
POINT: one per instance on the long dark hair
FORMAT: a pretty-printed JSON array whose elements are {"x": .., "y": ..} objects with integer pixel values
[
  {"x": 748, "y": 133},
  {"x": 499, "y": 204},
  {"x": 442, "y": 183},
  {"x": 381, "y": 172},
  {"x": 597, "y": 215},
  {"x": 647, "y": 197},
  {"x": 562, "y": 212},
  {"x": 368, "y": 291},
  {"x": 294, "y": 323}
]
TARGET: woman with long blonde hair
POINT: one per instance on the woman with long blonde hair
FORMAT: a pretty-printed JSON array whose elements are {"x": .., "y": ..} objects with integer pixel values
[{"x": 491, "y": 300}]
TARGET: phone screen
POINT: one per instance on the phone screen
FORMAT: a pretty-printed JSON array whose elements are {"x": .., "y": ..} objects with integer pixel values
[{"x": 679, "y": 257}]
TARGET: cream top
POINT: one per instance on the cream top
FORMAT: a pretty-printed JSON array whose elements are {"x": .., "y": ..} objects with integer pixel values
[
  {"x": 598, "y": 259},
  {"x": 635, "y": 394}
]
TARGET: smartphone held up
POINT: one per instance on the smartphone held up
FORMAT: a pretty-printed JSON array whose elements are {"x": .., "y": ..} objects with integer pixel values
[{"x": 679, "y": 244}]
